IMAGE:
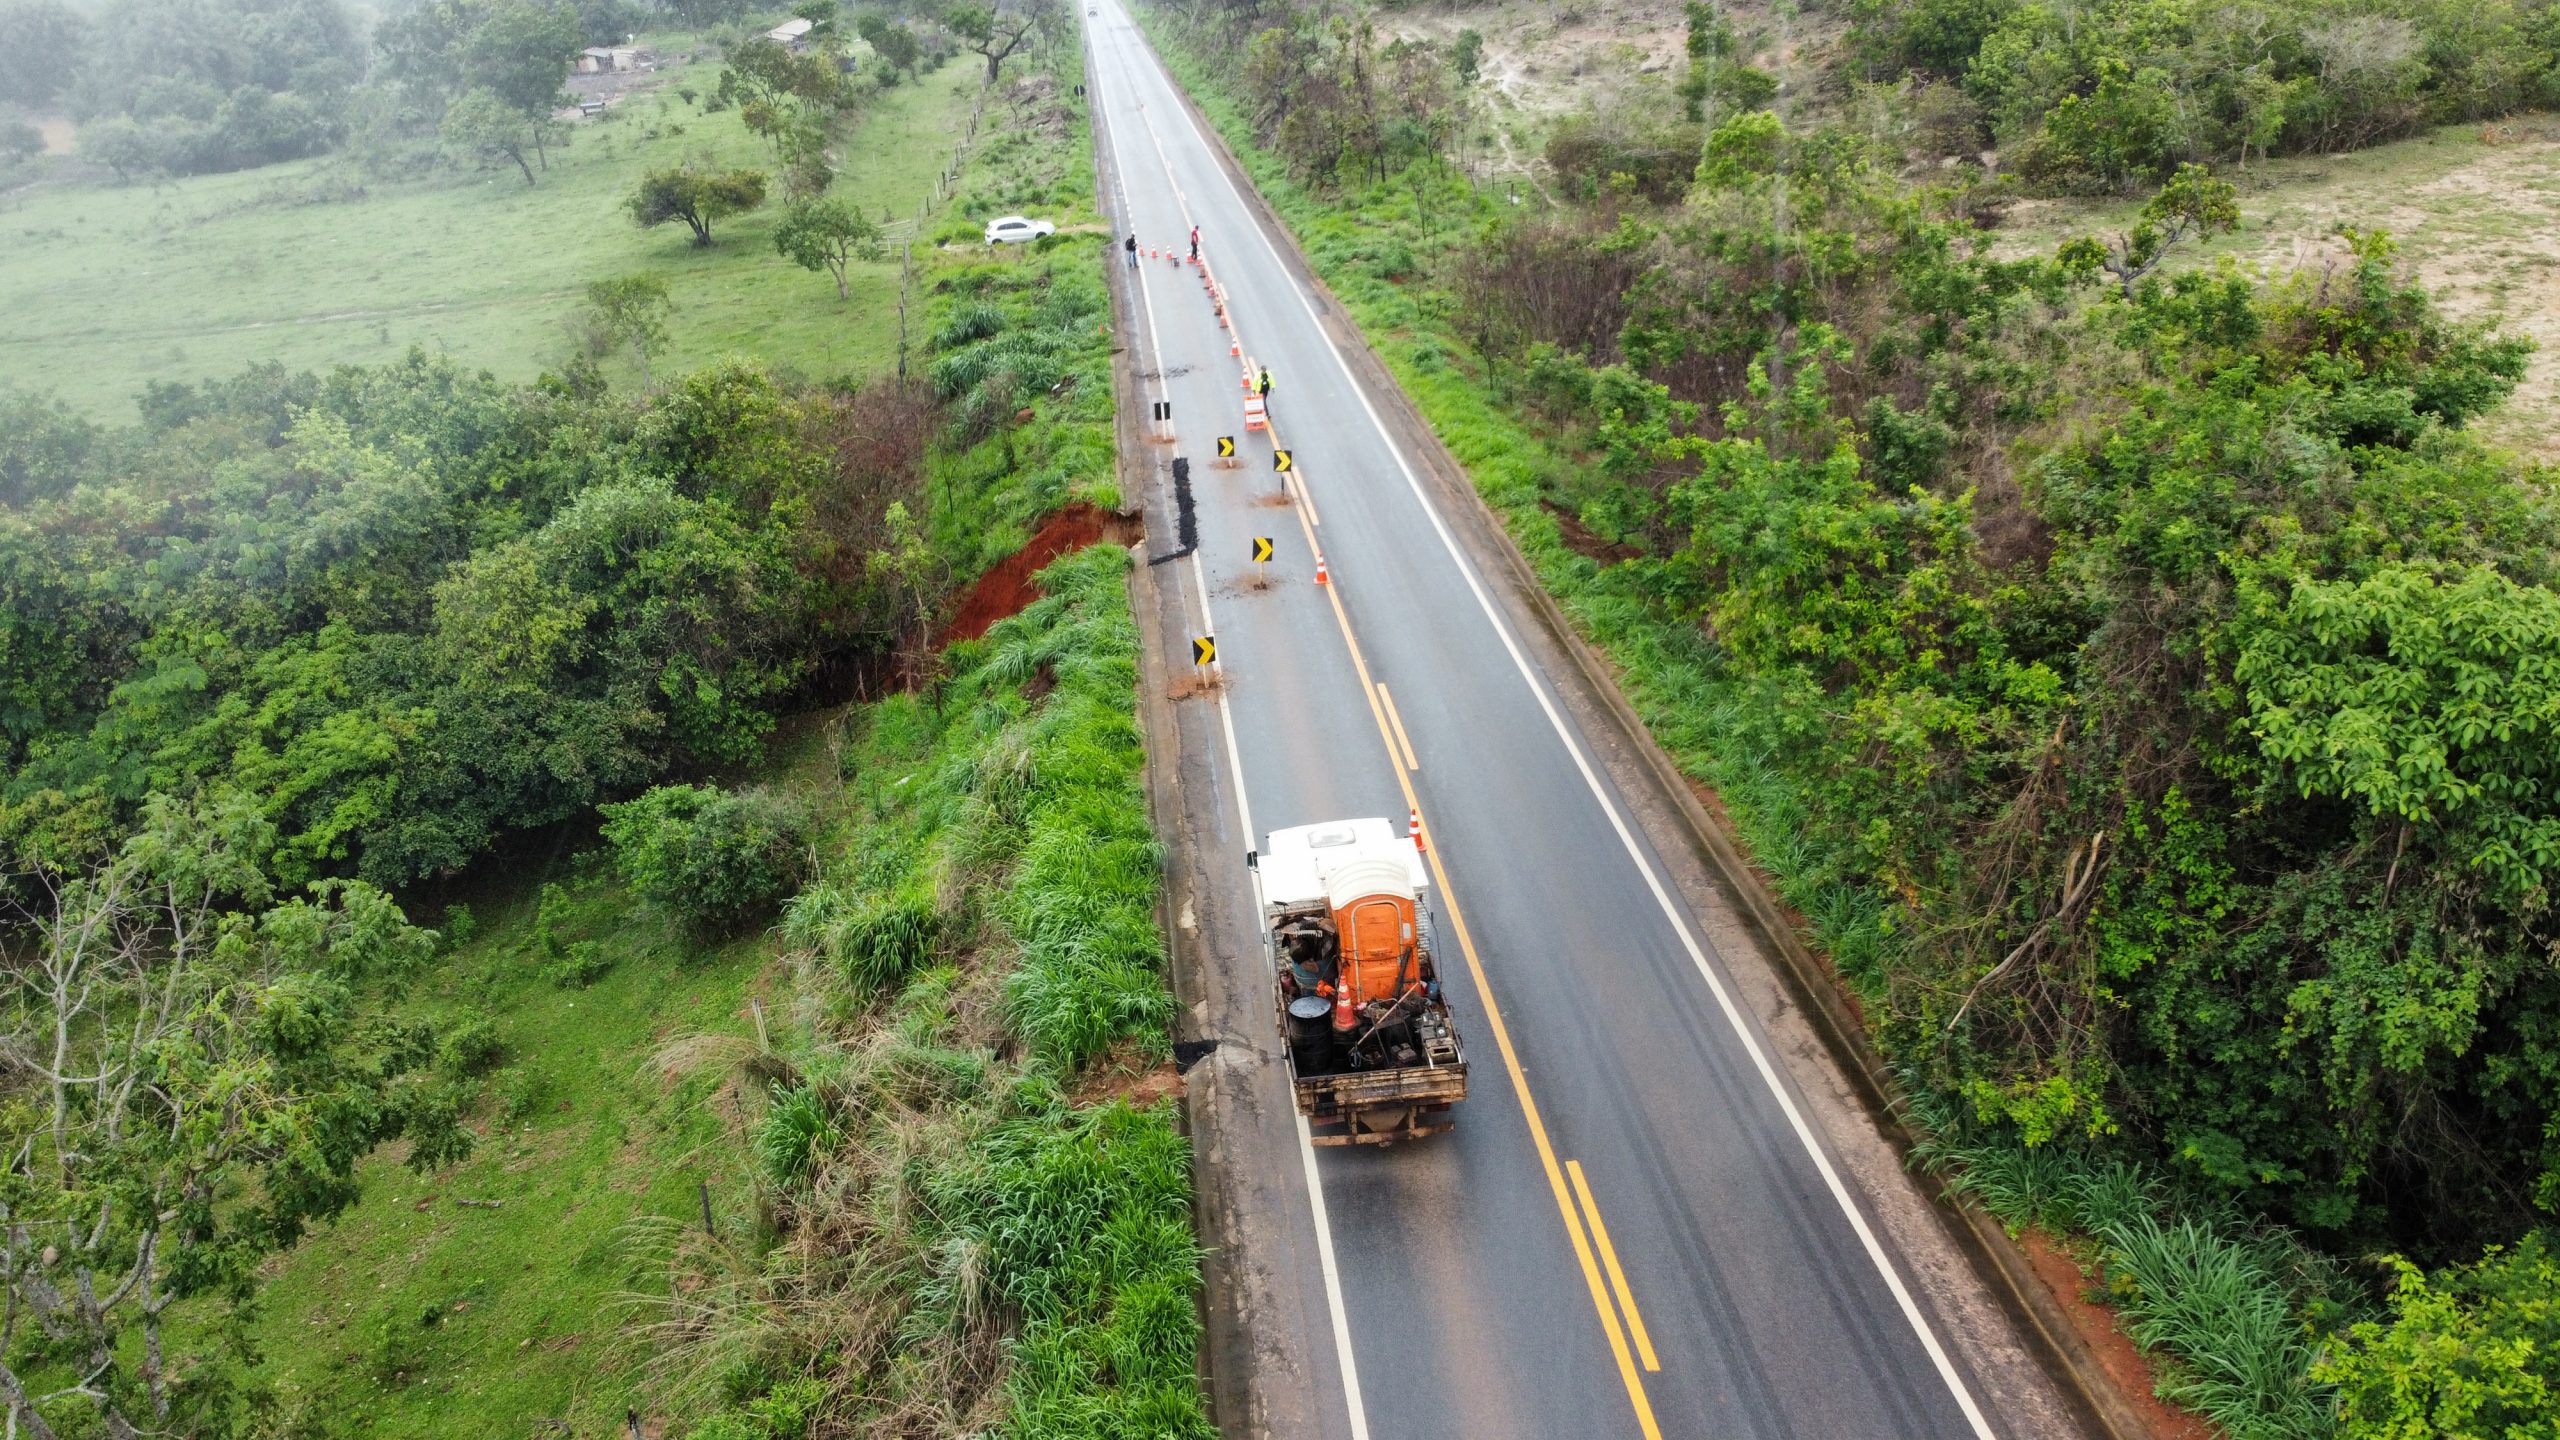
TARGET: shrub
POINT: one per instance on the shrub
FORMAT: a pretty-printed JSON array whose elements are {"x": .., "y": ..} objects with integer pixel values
[
  {"x": 524, "y": 1091},
  {"x": 467, "y": 1044},
  {"x": 430, "y": 1117},
  {"x": 586, "y": 962},
  {"x": 717, "y": 860},
  {"x": 459, "y": 925},
  {"x": 783, "y": 1413},
  {"x": 2472, "y": 1354},
  {"x": 548, "y": 915}
]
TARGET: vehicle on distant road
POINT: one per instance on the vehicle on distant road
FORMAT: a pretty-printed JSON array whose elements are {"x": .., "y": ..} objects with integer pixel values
[
  {"x": 1014, "y": 229},
  {"x": 1369, "y": 1040}
]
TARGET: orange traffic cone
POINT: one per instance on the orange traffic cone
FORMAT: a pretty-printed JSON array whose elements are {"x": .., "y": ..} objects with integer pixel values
[
  {"x": 1234, "y": 346},
  {"x": 1413, "y": 827},
  {"x": 1323, "y": 576}
]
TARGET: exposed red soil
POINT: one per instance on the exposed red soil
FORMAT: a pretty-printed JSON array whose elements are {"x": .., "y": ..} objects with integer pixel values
[
  {"x": 1122, "y": 1074},
  {"x": 1193, "y": 686},
  {"x": 1582, "y": 540},
  {"x": 1007, "y": 587},
  {"x": 2116, "y": 1353}
]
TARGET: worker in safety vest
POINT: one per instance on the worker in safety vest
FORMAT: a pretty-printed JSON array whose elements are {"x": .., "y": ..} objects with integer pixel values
[{"x": 1263, "y": 386}]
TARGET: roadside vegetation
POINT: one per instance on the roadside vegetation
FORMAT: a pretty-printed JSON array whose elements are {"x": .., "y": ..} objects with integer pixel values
[
  {"x": 960, "y": 1226},
  {"x": 2130, "y": 671},
  {"x": 475, "y": 967}
]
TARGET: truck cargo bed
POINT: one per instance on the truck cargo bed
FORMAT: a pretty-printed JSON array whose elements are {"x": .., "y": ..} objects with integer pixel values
[{"x": 1421, "y": 1091}]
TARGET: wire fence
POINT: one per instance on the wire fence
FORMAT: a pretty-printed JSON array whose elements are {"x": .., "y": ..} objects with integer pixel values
[{"x": 906, "y": 232}]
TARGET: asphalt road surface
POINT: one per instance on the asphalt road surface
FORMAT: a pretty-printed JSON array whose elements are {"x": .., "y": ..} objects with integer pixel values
[{"x": 1635, "y": 1228}]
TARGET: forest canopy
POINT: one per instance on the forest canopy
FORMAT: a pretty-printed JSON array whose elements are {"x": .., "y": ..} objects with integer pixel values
[{"x": 411, "y": 609}]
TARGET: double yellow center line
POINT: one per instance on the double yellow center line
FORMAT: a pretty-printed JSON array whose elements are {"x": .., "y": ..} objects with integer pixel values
[{"x": 1573, "y": 1197}]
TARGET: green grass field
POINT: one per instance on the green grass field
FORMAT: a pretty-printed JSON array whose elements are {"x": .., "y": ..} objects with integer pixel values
[
  {"x": 415, "y": 1314},
  {"x": 107, "y": 287}
]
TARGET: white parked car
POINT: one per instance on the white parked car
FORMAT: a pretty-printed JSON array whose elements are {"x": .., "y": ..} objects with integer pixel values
[{"x": 1014, "y": 229}]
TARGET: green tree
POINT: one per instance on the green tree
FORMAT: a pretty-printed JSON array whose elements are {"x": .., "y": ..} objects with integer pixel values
[
  {"x": 996, "y": 32},
  {"x": 519, "y": 52},
  {"x": 628, "y": 310},
  {"x": 905, "y": 564},
  {"x": 717, "y": 860},
  {"x": 2427, "y": 698},
  {"x": 790, "y": 100},
  {"x": 1466, "y": 57},
  {"x": 194, "y": 1096},
  {"x": 422, "y": 52},
  {"x": 1939, "y": 37},
  {"x": 19, "y": 139},
  {"x": 826, "y": 235},
  {"x": 2194, "y": 204},
  {"x": 489, "y": 128},
  {"x": 42, "y": 45},
  {"x": 892, "y": 41},
  {"x": 695, "y": 196},
  {"x": 120, "y": 143}
]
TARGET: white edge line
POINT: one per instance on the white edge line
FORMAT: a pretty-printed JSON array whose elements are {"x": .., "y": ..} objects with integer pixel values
[
  {"x": 1345, "y": 1360},
  {"x": 1724, "y": 1000}
]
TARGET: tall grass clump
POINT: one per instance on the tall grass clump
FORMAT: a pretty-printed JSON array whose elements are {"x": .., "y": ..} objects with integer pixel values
[
  {"x": 2233, "y": 1307},
  {"x": 1079, "y": 1221},
  {"x": 2209, "y": 1299}
]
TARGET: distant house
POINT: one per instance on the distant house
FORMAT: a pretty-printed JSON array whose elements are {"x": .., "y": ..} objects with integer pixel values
[
  {"x": 791, "y": 35},
  {"x": 604, "y": 60}
]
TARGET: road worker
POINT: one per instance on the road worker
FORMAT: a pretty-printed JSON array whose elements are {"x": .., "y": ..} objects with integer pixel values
[{"x": 1133, "y": 252}]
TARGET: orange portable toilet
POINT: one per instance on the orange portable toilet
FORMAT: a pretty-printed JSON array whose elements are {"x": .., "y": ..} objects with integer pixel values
[{"x": 1372, "y": 902}]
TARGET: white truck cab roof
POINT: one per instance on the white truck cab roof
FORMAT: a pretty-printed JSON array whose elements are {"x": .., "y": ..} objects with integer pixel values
[{"x": 1301, "y": 864}]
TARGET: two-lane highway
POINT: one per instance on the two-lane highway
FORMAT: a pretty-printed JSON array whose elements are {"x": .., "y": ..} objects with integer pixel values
[{"x": 1638, "y": 1227}]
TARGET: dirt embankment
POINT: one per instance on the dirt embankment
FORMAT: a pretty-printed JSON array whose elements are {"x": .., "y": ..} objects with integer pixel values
[{"x": 1007, "y": 586}]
